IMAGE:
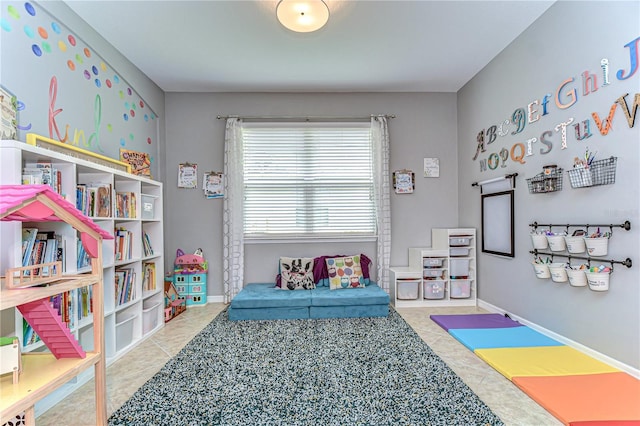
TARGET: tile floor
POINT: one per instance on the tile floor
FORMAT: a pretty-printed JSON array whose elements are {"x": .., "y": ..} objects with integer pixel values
[{"x": 128, "y": 373}]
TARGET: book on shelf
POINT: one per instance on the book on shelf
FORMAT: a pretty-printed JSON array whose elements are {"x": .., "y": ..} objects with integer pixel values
[
  {"x": 149, "y": 280},
  {"x": 85, "y": 302},
  {"x": 42, "y": 172},
  {"x": 123, "y": 244},
  {"x": 29, "y": 336},
  {"x": 82, "y": 260},
  {"x": 94, "y": 199},
  {"x": 125, "y": 205},
  {"x": 28, "y": 241},
  {"x": 146, "y": 245},
  {"x": 125, "y": 285}
]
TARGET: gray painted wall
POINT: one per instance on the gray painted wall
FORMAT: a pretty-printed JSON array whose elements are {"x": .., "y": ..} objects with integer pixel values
[
  {"x": 570, "y": 38},
  {"x": 425, "y": 127}
]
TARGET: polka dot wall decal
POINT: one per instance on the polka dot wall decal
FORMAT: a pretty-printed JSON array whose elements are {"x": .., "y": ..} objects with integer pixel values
[
  {"x": 133, "y": 113},
  {"x": 72, "y": 40},
  {"x": 5, "y": 24},
  {"x": 126, "y": 105},
  {"x": 79, "y": 59},
  {"x": 121, "y": 94},
  {"x": 87, "y": 52},
  {"x": 98, "y": 83},
  {"x": 43, "y": 33},
  {"x": 110, "y": 127},
  {"x": 133, "y": 105},
  {"x": 55, "y": 27},
  {"x": 36, "y": 50},
  {"x": 131, "y": 136},
  {"x": 62, "y": 46},
  {"x": 129, "y": 92},
  {"x": 149, "y": 141},
  {"x": 108, "y": 82},
  {"x": 122, "y": 142},
  {"x": 29, "y": 31},
  {"x": 116, "y": 79},
  {"x": 141, "y": 104},
  {"x": 71, "y": 65},
  {"x": 94, "y": 69},
  {"x": 103, "y": 66},
  {"x": 87, "y": 74},
  {"x": 13, "y": 12},
  {"x": 126, "y": 117},
  {"x": 46, "y": 47},
  {"x": 146, "y": 117},
  {"x": 29, "y": 8}
]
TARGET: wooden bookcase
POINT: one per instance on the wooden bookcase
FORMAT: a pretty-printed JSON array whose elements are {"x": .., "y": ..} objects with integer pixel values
[{"x": 127, "y": 321}]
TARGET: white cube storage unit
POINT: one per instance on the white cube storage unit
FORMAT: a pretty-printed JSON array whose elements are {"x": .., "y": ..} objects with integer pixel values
[{"x": 446, "y": 271}]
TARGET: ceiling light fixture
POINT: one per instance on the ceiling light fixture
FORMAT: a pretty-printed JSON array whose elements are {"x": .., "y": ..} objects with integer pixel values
[{"x": 302, "y": 16}]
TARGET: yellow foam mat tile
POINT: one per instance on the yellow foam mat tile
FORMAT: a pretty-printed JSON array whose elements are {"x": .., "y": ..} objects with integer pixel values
[{"x": 542, "y": 361}]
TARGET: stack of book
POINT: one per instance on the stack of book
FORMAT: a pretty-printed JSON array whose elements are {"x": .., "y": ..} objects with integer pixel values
[
  {"x": 126, "y": 204},
  {"x": 123, "y": 244},
  {"x": 149, "y": 280},
  {"x": 94, "y": 200},
  {"x": 146, "y": 245},
  {"x": 125, "y": 279},
  {"x": 42, "y": 172},
  {"x": 40, "y": 247}
]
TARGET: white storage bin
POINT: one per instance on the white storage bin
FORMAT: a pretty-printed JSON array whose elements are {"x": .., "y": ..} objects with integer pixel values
[
  {"x": 597, "y": 246},
  {"x": 460, "y": 289},
  {"x": 558, "y": 272},
  {"x": 148, "y": 206},
  {"x": 598, "y": 281},
  {"x": 556, "y": 242},
  {"x": 124, "y": 333},
  {"x": 459, "y": 240},
  {"x": 575, "y": 244},
  {"x": 432, "y": 262},
  {"x": 460, "y": 251},
  {"x": 539, "y": 241},
  {"x": 433, "y": 289},
  {"x": 542, "y": 270},
  {"x": 459, "y": 268},
  {"x": 408, "y": 289},
  {"x": 150, "y": 316},
  {"x": 432, "y": 272},
  {"x": 577, "y": 277}
]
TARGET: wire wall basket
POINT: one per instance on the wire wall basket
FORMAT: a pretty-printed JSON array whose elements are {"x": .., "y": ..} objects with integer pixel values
[
  {"x": 546, "y": 182},
  {"x": 601, "y": 172}
]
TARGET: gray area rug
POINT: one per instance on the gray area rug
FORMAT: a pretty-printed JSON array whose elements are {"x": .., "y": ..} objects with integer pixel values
[{"x": 360, "y": 371}]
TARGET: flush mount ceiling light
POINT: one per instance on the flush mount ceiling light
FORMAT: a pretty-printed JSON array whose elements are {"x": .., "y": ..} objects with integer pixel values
[{"x": 303, "y": 16}]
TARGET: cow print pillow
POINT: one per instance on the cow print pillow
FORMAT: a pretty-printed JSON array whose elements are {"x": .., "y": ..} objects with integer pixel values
[{"x": 296, "y": 273}]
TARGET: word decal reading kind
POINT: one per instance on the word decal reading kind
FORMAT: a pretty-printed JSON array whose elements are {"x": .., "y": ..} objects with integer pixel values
[{"x": 565, "y": 96}]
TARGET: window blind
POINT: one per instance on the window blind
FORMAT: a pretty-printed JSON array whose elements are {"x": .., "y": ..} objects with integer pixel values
[{"x": 308, "y": 180}]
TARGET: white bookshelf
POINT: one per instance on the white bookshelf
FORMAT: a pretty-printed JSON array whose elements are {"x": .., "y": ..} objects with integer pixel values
[
  {"x": 441, "y": 275},
  {"x": 127, "y": 324}
]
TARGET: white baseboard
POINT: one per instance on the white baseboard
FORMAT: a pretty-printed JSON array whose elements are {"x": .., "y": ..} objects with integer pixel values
[
  {"x": 585, "y": 349},
  {"x": 215, "y": 299}
]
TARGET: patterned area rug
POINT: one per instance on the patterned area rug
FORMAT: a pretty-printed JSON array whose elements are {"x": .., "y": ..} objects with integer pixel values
[{"x": 361, "y": 371}]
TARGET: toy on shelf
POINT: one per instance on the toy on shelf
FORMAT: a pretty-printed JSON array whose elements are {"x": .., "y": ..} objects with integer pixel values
[
  {"x": 190, "y": 276},
  {"x": 174, "y": 304}
]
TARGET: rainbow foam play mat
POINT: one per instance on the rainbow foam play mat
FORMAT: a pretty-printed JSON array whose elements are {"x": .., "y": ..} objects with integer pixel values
[{"x": 576, "y": 388}]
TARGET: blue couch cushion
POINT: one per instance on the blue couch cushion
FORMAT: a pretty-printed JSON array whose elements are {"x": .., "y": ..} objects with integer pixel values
[
  {"x": 369, "y": 295},
  {"x": 268, "y": 313},
  {"x": 265, "y": 295},
  {"x": 367, "y": 311}
]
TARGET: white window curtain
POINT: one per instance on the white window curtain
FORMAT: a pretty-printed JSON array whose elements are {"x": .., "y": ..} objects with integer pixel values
[
  {"x": 233, "y": 229},
  {"x": 382, "y": 194}
]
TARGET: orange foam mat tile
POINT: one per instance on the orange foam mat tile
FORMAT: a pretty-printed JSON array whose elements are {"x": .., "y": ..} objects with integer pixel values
[
  {"x": 542, "y": 361},
  {"x": 611, "y": 399}
]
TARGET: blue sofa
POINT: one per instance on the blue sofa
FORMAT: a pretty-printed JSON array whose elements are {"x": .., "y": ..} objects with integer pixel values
[{"x": 263, "y": 301}]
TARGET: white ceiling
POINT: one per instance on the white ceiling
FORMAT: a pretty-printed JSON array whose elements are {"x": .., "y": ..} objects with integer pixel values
[{"x": 367, "y": 46}]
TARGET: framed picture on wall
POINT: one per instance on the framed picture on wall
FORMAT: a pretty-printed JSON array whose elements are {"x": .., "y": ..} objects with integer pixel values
[{"x": 404, "y": 181}]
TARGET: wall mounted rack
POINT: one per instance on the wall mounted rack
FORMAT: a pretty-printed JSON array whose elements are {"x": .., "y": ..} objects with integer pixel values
[
  {"x": 627, "y": 262},
  {"x": 626, "y": 225}
]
